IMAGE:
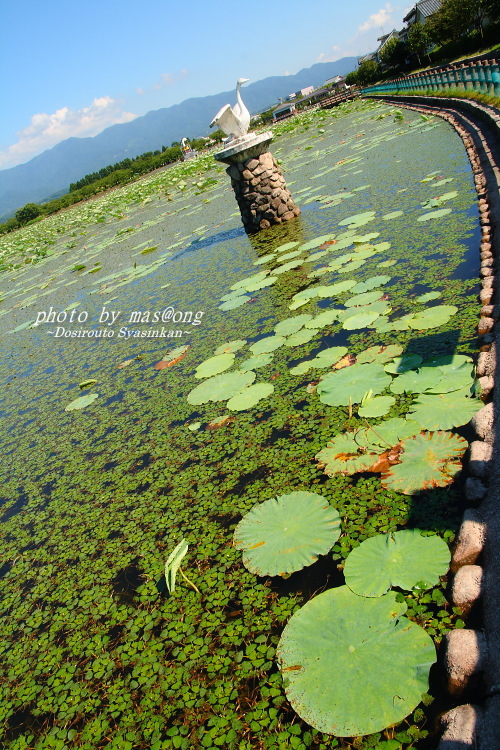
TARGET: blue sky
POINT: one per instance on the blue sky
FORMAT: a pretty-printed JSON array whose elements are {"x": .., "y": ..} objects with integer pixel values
[{"x": 75, "y": 68}]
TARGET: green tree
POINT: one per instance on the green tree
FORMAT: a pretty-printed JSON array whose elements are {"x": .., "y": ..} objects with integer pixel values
[
  {"x": 351, "y": 78},
  {"x": 393, "y": 53},
  {"x": 27, "y": 213},
  {"x": 419, "y": 40},
  {"x": 453, "y": 19},
  {"x": 367, "y": 72}
]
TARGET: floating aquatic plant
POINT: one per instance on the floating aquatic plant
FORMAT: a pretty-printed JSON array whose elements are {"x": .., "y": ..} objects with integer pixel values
[
  {"x": 250, "y": 396},
  {"x": 215, "y": 365},
  {"x": 81, "y": 402},
  {"x": 286, "y": 533},
  {"x": 221, "y": 387}
]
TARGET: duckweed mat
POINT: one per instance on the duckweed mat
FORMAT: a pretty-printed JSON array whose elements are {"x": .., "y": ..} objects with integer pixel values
[{"x": 95, "y": 652}]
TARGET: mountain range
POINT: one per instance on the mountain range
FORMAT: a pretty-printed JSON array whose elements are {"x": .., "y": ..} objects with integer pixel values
[{"x": 51, "y": 172}]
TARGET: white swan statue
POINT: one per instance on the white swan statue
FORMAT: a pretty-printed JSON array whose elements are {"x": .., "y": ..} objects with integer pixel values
[{"x": 233, "y": 122}]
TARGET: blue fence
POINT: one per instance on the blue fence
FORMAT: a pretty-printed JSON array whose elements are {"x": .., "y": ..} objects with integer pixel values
[{"x": 482, "y": 75}]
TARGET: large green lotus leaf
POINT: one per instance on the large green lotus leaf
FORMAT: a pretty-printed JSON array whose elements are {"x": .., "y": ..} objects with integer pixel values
[
  {"x": 454, "y": 379},
  {"x": 287, "y": 533},
  {"x": 316, "y": 242},
  {"x": 258, "y": 360},
  {"x": 267, "y": 344},
  {"x": 401, "y": 558},
  {"x": 382, "y": 246},
  {"x": 316, "y": 256},
  {"x": 366, "y": 298},
  {"x": 428, "y": 460},
  {"x": 371, "y": 283},
  {"x": 301, "y": 337},
  {"x": 333, "y": 290},
  {"x": 449, "y": 362},
  {"x": 364, "y": 252},
  {"x": 301, "y": 368},
  {"x": 434, "y": 214},
  {"x": 307, "y": 294},
  {"x": 81, "y": 402},
  {"x": 230, "y": 346},
  {"x": 445, "y": 410},
  {"x": 330, "y": 356},
  {"x": 352, "y": 665},
  {"x": 289, "y": 256},
  {"x": 350, "y": 384},
  {"x": 214, "y": 365},
  {"x": 343, "y": 455},
  {"x": 403, "y": 364},
  {"x": 376, "y": 406},
  {"x": 432, "y": 317},
  {"x": 392, "y": 215},
  {"x": 341, "y": 244},
  {"x": 417, "y": 381},
  {"x": 352, "y": 266},
  {"x": 325, "y": 318},
  {"x": 291, "y": 325},
  {"x": 221, "y": 387},
  {"x": 360, "y": 320},
  {"x": 358, "y": 219},
  {"x": 256, "y": 285},
  {"x": 232, "y": 304},
  {"x": 386, "y": 263},
  {"x": 288, "y": 266},
  {"x": 249, "y": 397},
  {"x": 265, "y": 259},
  {"x": 361, "y": 239},
  {"x": 428, "y": 297},
  {"x": 387, "y": 434},
  {"x": 379, "y": 354},
  {"x": 233, "y": 295},
  {"x": 243, "y": 283},
  {"x": 286, "y": 246}
]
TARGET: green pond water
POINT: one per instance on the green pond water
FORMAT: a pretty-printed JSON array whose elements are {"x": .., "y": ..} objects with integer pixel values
[{"x": 95, "y": 652}]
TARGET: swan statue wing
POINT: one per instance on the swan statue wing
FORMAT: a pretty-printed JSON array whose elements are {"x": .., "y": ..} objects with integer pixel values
[{"x": 233, "y": 121}]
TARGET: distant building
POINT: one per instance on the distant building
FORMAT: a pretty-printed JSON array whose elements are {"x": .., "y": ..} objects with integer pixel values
[
  {"x": 284, "y": 110},
  {"x": 385, "y": 39},
  {"x": 305, "y": 92},
  {"x": 335, "y": 82},
  {"x": 369, "y": 56},
  {"x": 420, "y": 12}
]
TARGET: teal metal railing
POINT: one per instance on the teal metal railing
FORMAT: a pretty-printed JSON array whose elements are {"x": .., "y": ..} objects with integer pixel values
[{"x": 481, "y": 75}]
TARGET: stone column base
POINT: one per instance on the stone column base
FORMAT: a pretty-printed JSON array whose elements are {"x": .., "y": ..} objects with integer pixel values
[{"x": 261, "y": 192}]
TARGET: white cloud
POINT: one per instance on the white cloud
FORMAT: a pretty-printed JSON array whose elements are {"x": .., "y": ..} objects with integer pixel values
[
  {"x": 169, "y": 79},
  {"x": 382, "y": 17},
  {"x": 46, "y": 130}
]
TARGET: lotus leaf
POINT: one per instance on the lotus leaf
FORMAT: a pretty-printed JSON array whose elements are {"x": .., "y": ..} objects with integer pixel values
[
  {"x": 257, "y": 285},
  {"x": 317, "y": 242},
  {"x": 249, "y": 397},
  {"x": 265, "y": 259},
  {"x": 352, "y": 266},
  {"x": 428, "y": 460},
  {"x": 288, "y": 266},
  {"x": 230, "y": 346},
  {"x": 81, "y": 402},
  {"x": 289, "y": 256},
  {"x": 233, "y": 295},
  {"x": 434, "y": 214},
  {"x": 333, "y": 290},
  {"x": 403, "y": 364},
  {"x": 361, "y": 239},
  {"x": 381, "y": 247},
  {"x": 291, "y": 325},
  {"x": 194, "y": 426},
  {"x": 387, "y": 263},
  {"x": 301, "y": 337},
  {"x": 232, "y": 304},
  {"x": 316, "y": 256},
  {"x": 445, "y": 410},
  {"x": 454, "y": 378},
  {"x": 87, "y": 383},
  {"x": 352, "y": 665},
  {"x": 174, "y": 355},
  {"x": 286, "y": 533},
  {"x": 360, "y": 320},
  {"x": 376, "y": 406},
  {"x": 449, "y": 362},
  {"x": 350, "y": 384},
  {"x": 325, "y": 318},
  {"x": 417, "y": 381},
  {"x": 365, "y": 298},
  {"x": 371, "y": 283},
  {"x": 307, "y": 294},
  {"x": 392, "y": 215},
  {"x": 221, "y": 387},
  {"x": 343, "y": 455},
  {"x": 173, "y": 564},
  {"x": 267, "y": 344},
  {"x": 214, "y": 365},
  {"x": 258, "y": 360},
  {"x": 330, "y": 356},
  {"x": 358, "y": 219},
  {"x": 286, "y": 246},
  {"x": 254, "y": 279},
  {"x": 401, "y": 558},
  {"x": 301, "y": 368},
  {"x": 432, "y": 317},
  {"x": 387, "y": 434},
  {"x": 379, "y": 354}
]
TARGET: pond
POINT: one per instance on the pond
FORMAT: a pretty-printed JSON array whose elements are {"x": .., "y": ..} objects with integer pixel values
[{"x": 379, "y": 272}]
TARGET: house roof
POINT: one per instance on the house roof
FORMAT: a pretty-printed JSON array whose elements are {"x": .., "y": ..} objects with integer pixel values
[{"x": 425, "y": 7}]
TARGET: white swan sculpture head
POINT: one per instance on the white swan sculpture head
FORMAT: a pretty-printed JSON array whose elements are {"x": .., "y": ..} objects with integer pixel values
[{"x": 234, "y": 122}]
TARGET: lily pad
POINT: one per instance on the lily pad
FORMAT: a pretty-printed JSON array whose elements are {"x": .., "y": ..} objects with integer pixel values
[
  {"x": 403, "y": 364},
  {"x": 417, "y": 381},
  {"x": 360, "y": 320},
  {"x": 291, "y": 325},
  {"x": 428, "y": 460},
  {"x": 214, "y": 365},
  {"x": 343, "y": 455},
  {"x": 258, "y": 360},
  {"x": 379, "y": 354},
  {"x": 267, "y": 344},
  {"x": 301, "y": 337},
  {"x": 365, "y": 298},
  {"x": 401, "y": 558},
  {"x": 376, "y": 406},
  {"x": 286, "y": 533},
  {"x": 354, "y": 666},
  {"x": 358, "y": 220},
  {"x": 262, "y": 284},
  {"x": 445, "y": 410},
  {"x": 350, "y": 384},
  {"x": 81, "y": 402},
  {"x": 434, "y": 214},
  {"x": 428, "y": 297},
  {"x": 232, "y": 304},
  {"x": 392, "y": 215},
  {"x": 325, "y": 318},
  {"x": 286, "y": 246},
  {"x": 249, "y": 397},
  {"x": 221, "y": 387},
  {"x": 312, "y": 244},
  {"x": 387, "y": 434},
  {"x": 230, "y": 346},
  {"x": 265, "y": 259},
  {"x": 372, "y": 283}
]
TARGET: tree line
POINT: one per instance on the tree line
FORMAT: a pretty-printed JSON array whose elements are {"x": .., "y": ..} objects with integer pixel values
[{"x": 459, "y": 26}]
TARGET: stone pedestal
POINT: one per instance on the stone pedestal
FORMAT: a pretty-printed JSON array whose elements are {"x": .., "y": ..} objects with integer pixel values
[{"x": 259, "y": 186}]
